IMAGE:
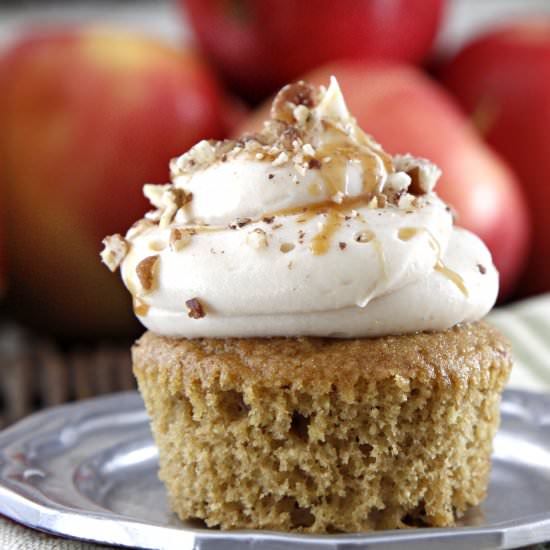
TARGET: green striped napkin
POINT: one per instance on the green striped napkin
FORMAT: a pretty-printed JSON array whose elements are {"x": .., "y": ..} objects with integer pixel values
[{"x": 527, "y": 326}]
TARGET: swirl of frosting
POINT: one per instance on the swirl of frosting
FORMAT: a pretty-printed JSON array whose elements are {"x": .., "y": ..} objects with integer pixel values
[{"x": 305, "y": 228}]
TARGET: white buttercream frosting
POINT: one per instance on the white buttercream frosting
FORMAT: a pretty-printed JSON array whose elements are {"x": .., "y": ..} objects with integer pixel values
[{"x": 306, "y": 228}]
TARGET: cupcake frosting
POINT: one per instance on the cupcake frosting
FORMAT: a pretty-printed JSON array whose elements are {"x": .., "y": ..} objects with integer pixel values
[{"x": 305, "y": 228}]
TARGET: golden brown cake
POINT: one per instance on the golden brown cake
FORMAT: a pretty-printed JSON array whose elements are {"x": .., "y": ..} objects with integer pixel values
[{"x": 325, "y": 435}]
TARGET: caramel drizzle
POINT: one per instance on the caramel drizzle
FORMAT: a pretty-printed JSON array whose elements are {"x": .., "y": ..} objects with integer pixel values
[
  {"x": 313, "y": 209},
  {"x": 140, "y": 308},
  {"x": 453, "y": 276},
  {"x": 321, "y": 242},
  {"x": 407, "y": 233},
  {"x": 341, "y": 153}
]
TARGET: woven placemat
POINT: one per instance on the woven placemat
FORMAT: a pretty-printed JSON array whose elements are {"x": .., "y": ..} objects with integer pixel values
[{"x": 36, "y": 373}]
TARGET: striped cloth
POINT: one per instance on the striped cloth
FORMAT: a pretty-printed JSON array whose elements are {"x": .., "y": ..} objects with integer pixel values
[{"x": 527, "y": 325}]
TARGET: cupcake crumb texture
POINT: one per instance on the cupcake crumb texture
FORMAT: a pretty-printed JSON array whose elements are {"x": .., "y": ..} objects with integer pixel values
[{"x": 324, "y": 435}]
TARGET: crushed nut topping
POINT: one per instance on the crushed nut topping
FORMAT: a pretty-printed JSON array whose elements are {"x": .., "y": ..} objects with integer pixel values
[
  {"x": 257, "y": 238},
  {"x": 138, "y": 228},
  {"x": 114, "y": 251},
  {"x": 314, "y": 164},
  {"x": 342, "y": 245},
  {"x": 482, "y": 269},
  {"x": 268, "y": 219},
  {"x": 168, "y": 199},
  {"x": 239, "y": 222},
  {"x": 423, "y": 173},
  {"x": 301, "y": 114},
  {"x": 145, "y": 271},
  {"x": 195, "y": 308},
  {"x": 364, "y": 236},
  {"x": 281, "y": 159},
  {"x": 179, "y": 238},
  {"x": 289, "y": 98},
  {"x": 308, "y": 150}
]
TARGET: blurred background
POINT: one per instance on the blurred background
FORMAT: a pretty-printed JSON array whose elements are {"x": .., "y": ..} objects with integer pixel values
[{"x": 96, "y": 97}]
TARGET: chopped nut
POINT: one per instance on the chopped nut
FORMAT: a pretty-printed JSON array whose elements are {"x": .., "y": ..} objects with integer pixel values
[
  {"x": 281, "y": 159},
  {"x": 195, "y": 308},
  {"x": 342, "y": 245},
  {"x": 259, "y": 156},
  {"x": 373, "y": 203},
  {"x": 398, "y": 181},
  {"x": 145, "y": 272},
  {"x": 301, "y": 114},
  {"x": 314, "y": 164},
  {"x": 268, "y": 219},
  {"x": 116, "y": 248},
  {"x": 153, "y": 216},
  {"x": 290, "y": 139},
  {"x": 423, "y": 173},
  {"x": 203, "y": 152},
  {"x": 286, "y": 247},
  {"x": 270, "y": 176},
  {"x": 168, "y": 199},
  {"x": 308, "y": 150},
  {"x": 257, "y": 238},
  {"x": 289, "y": 98},
  {"x": 155, "y": 192},
  {"x": 179, "y": 238},
  {"x": 138, "y": 228},
  {"x": 364, "y": 236},
  {"x": 405, "y": 202},
  {"x": 239, "y": 222},
  {"x": 482, "y": 269}
]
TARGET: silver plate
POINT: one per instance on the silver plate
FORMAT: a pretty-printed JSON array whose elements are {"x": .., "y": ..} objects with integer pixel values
[{"x": 88, "y": 470}]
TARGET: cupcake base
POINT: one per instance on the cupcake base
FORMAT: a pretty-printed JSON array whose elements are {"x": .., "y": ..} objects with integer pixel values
[{"x": 324, "y": 435}]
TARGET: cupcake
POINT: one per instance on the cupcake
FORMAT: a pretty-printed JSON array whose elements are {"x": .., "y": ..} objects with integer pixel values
[{"x": 315, "y": 359}]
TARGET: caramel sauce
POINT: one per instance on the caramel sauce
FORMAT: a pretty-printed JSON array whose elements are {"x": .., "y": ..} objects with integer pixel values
[
  {"x": 453, "y": 276},
  {"x": 140, "y": 308},
  {"x": 338, "y": 149},
  {"x": 407, "y": 233},
  {"x": 316, "y": 208},
  {"x": 439, "y": 266},
  {"x": 334, "y": 171},
  {"x": 381, "y": 257},
  {"x": 314, "y": 189},
  {"x": 321, "y": 242}
]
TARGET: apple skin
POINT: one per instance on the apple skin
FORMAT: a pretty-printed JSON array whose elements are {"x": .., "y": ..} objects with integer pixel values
[
  {"x": 260, "y": 46},
  {"x": 502, "y": 80},
  {"x": 88, "y": 116},
  {"x": 407, "y": 112}
]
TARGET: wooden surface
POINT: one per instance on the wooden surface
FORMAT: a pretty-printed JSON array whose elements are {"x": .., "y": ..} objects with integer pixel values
[{"x": 35, "y": 374}]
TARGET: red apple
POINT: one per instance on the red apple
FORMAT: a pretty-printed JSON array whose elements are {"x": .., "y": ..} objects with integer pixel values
[
  {"x": 260, "y": 46},
  {"x": 89, "y": 115},
  {"x": 503, "y": 81},
  {"x": 407, "y": 112}
]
